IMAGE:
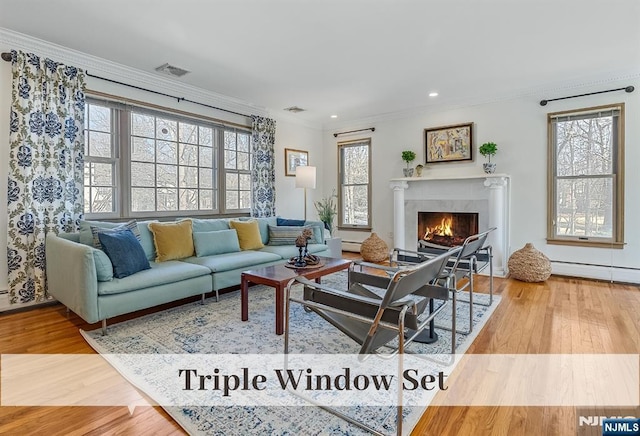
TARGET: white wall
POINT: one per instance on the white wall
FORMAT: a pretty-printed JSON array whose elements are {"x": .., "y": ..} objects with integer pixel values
[
  {"x": 289, "y": 199},
  {"x": 519, "y": 127}
]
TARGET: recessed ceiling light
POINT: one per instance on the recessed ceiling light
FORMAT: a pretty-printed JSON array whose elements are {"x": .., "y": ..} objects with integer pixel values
[
  {"x": 433, "y": 94},
  {"x": 334, "y": 116}
]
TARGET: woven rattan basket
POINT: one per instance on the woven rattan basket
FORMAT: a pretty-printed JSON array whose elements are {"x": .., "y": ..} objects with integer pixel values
[
  {"x": 374, "y": 249},
  {"x": 529, "y": 265}
]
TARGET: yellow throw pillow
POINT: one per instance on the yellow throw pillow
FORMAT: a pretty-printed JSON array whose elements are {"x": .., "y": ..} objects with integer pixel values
[
  {"x": 172, "y": 240},
  {"x": 248, "y": 234}
]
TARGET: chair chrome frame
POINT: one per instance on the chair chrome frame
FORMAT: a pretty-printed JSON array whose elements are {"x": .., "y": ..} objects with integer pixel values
[
  {"x": 462, "y": 266},
  {"x": 392, "y": 312}
]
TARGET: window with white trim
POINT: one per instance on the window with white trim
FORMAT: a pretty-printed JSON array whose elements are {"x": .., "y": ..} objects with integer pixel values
[
  {"x": 100, "y": 162},
  {"x": 354, "y": 199},
  {"x": 586, "y": 180},
  {"x": 168, "y": 164},
  {"x": 237, "y": 166}
]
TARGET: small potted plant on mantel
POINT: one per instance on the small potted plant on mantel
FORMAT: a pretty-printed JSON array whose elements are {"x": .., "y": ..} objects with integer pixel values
[
  {"x": 488, "y": 149},
  {"x": 408, "y": 156}
]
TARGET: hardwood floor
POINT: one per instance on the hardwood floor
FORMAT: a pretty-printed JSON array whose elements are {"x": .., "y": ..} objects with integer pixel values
[{"x": 563, "y": 315}]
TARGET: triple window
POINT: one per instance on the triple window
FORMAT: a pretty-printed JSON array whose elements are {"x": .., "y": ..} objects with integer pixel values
[
  {"x": 586, "y": 180},
  {"x": 140, "y": 162}
]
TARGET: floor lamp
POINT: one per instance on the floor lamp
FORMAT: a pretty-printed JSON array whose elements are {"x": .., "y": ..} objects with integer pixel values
[{"x": 306, "y": 178}]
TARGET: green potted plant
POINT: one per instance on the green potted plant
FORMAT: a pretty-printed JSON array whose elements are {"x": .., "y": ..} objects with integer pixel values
[
  {"x": 488, "y": 149},
  {"x": 327, "y": 210},
  {"x": 408, "y": 156}
]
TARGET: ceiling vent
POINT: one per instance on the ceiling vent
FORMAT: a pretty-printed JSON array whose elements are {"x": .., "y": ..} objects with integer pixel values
[
  {"x": 294, "y": 109},
  {"x": 172, "y": 70}
]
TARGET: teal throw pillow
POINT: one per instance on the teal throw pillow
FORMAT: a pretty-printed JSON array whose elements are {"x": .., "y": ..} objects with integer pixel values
[
  {"x": 125, "y": 252},
  {"x": 318, "y": 232},
  {"x": 104, "y": 267},
  {"x": 216, "y": 242}
]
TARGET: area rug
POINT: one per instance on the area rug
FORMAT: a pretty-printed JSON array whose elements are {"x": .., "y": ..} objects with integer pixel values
[{"x": 216, "y": 328}]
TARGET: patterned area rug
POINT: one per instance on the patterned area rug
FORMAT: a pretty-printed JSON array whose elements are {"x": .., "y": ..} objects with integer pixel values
[{"x": 215, "y": 327}]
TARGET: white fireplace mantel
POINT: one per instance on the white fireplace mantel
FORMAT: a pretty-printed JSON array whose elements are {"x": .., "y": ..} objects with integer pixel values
[
  {"x": 451, "y": 177},
  {"x": 494, "y": 188}
]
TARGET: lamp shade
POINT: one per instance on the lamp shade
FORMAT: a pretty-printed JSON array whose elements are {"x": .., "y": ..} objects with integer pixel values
[{"x": 306, "y": 177}]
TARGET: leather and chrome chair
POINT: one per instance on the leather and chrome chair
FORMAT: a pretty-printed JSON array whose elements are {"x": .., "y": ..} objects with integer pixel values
[
  {"x": 384, "y": 312},
  {"x": 474, "y": 256}
]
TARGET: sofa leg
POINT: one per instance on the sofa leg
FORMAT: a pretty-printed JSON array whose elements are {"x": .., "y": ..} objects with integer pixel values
[
  {"x": 202, "y": 299},
  {"x": 104, "y": 327},
  {"x": 217, "y": 296}
]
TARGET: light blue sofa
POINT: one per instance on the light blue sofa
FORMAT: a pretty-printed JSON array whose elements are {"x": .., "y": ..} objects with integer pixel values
[{"x": 74, "y": 270}]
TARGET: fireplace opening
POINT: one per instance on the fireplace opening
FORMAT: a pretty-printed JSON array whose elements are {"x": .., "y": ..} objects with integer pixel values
[{"x": 445, "y": 229}]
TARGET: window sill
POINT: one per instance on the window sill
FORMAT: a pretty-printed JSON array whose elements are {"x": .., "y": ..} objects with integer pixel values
[
  {"x": 355, "y": 229},
  {"x": 592, "y": 243}
]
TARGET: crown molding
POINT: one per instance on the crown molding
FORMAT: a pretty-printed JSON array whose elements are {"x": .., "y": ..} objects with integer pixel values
[
  {"x": 549, "y": 90},
  {"x": 112, "y": 70}
]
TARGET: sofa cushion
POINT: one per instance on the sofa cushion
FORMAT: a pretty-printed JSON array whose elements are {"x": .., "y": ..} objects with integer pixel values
[
  {"x": 172, "y": 240},
  {"x": 146, "y": 239},
  {"x": 263, "y": 225},
  {"x": 125, "y": 252},
  {"x": 104, "y": 267},
  {"x": 289, "y": 251},
  {"x": 218, "y": 242},
  {"x": 230, "y": 261},
  {"x": 318, "y": 231},
  {"x": 160, "y": 274},
  {"x": 209, "y": 225},
  {"x": 248, "y": 234},
  {"x": 131, "y": 225}
]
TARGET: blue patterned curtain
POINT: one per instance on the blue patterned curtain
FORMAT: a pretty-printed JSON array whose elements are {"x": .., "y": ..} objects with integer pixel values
[
  {"x": 46, "y": 159},
  {"x": 263, "y": 177}
]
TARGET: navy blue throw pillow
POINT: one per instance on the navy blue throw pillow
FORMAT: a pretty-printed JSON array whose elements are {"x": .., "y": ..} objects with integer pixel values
[
  {"x": 125, "y": 252},
  {"x": 286, "y": 222}
]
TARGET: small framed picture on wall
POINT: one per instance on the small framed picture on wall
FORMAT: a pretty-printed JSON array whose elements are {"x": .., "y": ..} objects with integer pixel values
[{"x": 293, "y": 159}]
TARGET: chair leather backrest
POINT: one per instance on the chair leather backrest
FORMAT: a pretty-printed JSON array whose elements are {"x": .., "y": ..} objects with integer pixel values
[
  {"x": 472, "y": 244},
  {"x": 404, "y": 283},
  {"x": 407, "y": 281}
]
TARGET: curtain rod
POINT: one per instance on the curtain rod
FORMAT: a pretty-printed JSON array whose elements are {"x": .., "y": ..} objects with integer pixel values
[
  {"x": 6, "y": 56},
  {"x": 373, "y": 129},
  {"x": 627, "y": 89}
]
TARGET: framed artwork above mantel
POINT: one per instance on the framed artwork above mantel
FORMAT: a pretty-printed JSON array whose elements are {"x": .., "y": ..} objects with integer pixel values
[{"x": 449, "y": 143}]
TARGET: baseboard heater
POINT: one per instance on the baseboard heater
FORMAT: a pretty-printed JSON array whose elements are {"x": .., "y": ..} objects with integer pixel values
[
  {"x": 613, "y": 273},
  {"x": 351, "y": 246}
]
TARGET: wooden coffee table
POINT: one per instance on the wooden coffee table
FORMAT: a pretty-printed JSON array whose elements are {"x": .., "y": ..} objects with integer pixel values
[{"x": 278, "y": 276}]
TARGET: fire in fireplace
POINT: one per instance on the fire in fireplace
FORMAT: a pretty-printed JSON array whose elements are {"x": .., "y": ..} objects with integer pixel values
[{"x": 445, "y": 229}]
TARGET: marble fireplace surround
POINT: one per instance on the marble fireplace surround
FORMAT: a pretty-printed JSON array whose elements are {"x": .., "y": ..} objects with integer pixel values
[{"x": 485, "y": 194}]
